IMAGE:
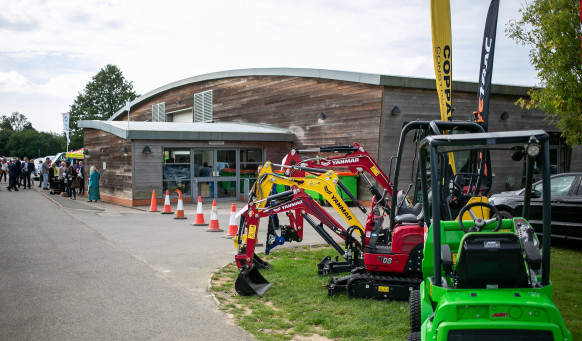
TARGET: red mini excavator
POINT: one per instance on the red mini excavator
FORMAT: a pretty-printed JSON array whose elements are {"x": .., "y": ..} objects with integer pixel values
[
  {"x": 393, "y": 255},
  {"x": 298, "y": 206}
]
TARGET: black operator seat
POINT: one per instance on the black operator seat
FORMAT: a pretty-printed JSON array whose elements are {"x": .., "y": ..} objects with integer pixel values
[{"x": 491, "y": 260}]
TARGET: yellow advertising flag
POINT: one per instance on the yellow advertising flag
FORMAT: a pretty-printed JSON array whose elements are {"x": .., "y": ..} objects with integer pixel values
[{"x": 440, "y": 15}]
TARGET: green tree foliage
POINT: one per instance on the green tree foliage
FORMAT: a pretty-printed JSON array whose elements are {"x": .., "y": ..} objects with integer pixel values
[
  {"x": 35, "y": 144},
  {"x": 552, "y": 29},
  {"x": 19, "y": 138},
  {"x": 15, "y": 122},
  {"x": 103, "y": 96}
]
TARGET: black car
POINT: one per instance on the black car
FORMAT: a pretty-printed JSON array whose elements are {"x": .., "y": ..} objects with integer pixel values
[{"x": 566, "y": 189}]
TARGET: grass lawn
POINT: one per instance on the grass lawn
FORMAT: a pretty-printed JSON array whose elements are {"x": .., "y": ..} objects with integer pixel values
[{"x": 297, "y": 306}]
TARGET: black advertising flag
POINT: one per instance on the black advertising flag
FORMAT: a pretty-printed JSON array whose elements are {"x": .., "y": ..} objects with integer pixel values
[
  {"x": 486, "y": 67},
  {"x": 484, "y": 89}
]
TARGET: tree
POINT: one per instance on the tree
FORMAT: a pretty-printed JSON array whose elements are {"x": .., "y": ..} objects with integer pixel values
[
  {"x": 552, "y": 29},
  {"x": 15, "y": 122},
  {"x": 30, "y": 142},
  {"x": 103, "y": 96}
]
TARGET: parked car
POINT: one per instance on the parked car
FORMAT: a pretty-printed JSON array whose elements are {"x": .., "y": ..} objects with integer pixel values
[
  {"x": 59, "y": 157},
  {"x": 566, "y": 190}
]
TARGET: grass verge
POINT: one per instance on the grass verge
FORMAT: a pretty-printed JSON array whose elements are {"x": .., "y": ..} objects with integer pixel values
[{"x": 297, "y": 307}]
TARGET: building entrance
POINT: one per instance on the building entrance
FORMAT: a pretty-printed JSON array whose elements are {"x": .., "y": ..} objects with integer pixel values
[{"x": 210, "y": 173}]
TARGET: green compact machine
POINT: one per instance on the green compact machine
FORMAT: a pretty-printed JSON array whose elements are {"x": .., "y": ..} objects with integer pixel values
[{"x": 485, "y": 279}]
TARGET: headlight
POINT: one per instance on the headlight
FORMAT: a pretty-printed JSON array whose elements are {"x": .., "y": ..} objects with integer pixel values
[{"x": 492, "y": 201}]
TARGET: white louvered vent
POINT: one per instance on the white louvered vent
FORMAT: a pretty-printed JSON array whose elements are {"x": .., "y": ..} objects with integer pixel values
[
  {"x": 159, "y": 112},
  {"x": 203, "y": 106}
]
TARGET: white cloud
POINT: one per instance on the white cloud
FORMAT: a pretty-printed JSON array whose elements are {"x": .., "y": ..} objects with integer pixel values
[
  {"x": 63, "y": 85},
  {"x": 12, "y": 81}
]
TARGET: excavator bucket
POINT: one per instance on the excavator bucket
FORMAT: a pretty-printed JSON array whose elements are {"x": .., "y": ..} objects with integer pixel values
[{"x": 250, "y": 282}]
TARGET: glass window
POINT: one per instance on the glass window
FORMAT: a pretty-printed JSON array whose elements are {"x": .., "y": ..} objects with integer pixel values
[
  {"x": 226, "y": 189},
  {"x": 203, "y": 163},
  {"x": 181, "y": 185},
  {"x": 206, "y": 189},
  {"x": 559, "y": 186},
  {"x": 250, "y": 160},
  {"x": 172, "y": 155},
  {"x": 225, "y": 159},
  {"x": 176, "y": 170}
]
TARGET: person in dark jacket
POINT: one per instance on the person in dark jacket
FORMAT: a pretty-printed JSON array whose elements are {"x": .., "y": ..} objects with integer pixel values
[
  {"x": 13, "y": 174},
  {"x": 70, "y": 176},
  {"x": 18, "y": 177},
  {"x": 27, "y": 168},
  {"x": 81, "y": 174}
]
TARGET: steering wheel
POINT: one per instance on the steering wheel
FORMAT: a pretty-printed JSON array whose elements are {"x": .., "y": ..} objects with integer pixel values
[
  {"x": 457, "y": 194},
  {"x": 480, "y": 223}
]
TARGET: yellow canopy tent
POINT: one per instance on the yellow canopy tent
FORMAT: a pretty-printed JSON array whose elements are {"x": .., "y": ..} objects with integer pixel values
[{"x": 76, "y": 154}]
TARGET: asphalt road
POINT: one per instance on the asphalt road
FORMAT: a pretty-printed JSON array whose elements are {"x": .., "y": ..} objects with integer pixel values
[{"x": 73, "y": 270}]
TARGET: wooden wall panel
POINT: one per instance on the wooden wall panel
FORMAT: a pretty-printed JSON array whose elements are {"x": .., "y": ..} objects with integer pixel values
[
  {"x": 352, "y": 109},
  {"x": 116, "y": 179}
]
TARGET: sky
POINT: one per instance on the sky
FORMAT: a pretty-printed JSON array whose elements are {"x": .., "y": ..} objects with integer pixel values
[{"x": 50, "y": 49}]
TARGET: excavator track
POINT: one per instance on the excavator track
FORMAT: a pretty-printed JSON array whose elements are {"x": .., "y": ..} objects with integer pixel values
[{"x": 369, "y": 285}]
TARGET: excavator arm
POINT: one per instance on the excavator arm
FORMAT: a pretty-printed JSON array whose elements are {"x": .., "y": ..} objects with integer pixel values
[
  {"x": 356, "y": 159},
  {"x": 325, "y": 184},
  {"x": 301, "y": 207}
]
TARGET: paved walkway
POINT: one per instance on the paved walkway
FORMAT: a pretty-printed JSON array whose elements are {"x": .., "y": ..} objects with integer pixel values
[{"x": 71, "y": 270}]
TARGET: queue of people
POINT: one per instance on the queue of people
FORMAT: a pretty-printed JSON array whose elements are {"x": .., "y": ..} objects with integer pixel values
[
  {"x": 17, "y": 173},
  {"x": 64, "y": 178}
]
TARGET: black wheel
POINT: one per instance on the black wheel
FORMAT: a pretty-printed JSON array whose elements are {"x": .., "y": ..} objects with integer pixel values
[
  {"x": 505, "y": 214},
  {"x": 480, "y": 223},
  {"x": 414, "y": 302},
  {"x": 413, "y": 336}
]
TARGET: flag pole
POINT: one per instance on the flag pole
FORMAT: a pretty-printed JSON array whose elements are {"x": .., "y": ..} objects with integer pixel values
[{"x": 127, "y": 107}]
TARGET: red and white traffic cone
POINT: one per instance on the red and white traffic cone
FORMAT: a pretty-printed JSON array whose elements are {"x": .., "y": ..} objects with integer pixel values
[
  {"x": 180, "y": 208},
  {"x": 199, "y": 221},
  {"x": 214, "y": 220},
  {"x": 167, "y": 208},
  {"x": 232, "y": 228},
  {"x": 154, "y": 204}
]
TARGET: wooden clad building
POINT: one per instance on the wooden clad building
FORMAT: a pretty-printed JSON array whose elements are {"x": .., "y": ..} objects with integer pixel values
[{"x": 206, "y": 135}]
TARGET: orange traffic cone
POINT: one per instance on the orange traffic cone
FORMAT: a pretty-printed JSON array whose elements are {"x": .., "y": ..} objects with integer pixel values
[
  {"x": 180, "y": 208},
  {"x": 214, "y": 220},
  {"x": 167, "y": 208},
  {"x": 199, "y": 221},
  {"x": 232, "y": 228},
  {"x": 154, "y": 204}
]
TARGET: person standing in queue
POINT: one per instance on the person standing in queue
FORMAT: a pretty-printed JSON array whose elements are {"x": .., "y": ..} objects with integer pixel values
[
  {"x": 81, "y": 177},
  {"x": 61, "y": 175},
  {"x": 72, "y": 182},
  {"x": 13, "y": 174},
  {"x": 4, "y": 170},
  {"x": 26, "y": 170},
  {"x": 94, "y": 177}
]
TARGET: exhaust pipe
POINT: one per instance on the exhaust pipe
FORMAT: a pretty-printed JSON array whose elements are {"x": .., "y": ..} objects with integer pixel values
[{"x": 250, "y": 282}]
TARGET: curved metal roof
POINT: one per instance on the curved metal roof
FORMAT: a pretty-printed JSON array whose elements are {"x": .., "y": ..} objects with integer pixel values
[{"x": 365, "y": 78}]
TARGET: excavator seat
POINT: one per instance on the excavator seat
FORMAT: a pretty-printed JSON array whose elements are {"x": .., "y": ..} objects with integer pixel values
[{"x": 490, "y": 260}]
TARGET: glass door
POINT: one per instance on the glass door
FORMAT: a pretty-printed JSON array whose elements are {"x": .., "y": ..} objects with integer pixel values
[
  {"x": 225, "y": 172},
  {"x": 215, "y": 173},
  {"x": 203, "y": 163}
]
